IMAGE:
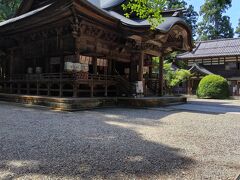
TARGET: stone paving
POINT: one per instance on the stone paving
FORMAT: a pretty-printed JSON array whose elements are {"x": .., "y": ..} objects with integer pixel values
[{"x": 176, "y": 142}]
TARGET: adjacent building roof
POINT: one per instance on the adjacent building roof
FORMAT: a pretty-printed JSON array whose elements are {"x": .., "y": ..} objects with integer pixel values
[
  {"x": 197, "y": 68},
  {"x": 213, "y": 48}
]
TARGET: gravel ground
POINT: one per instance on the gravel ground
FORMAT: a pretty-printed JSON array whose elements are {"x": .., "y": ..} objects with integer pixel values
[{"x": 160, "y": 143}]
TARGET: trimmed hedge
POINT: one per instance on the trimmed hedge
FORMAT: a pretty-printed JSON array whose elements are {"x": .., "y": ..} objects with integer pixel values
[{"x": 214, "y": 87}]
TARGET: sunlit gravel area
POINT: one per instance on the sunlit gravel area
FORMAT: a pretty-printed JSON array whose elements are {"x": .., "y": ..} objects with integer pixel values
[{"x": 174, "y": 142}]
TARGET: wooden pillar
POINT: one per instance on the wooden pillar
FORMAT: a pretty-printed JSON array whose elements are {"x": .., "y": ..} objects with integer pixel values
[
  {"x": 95, "y": 65},
  {"x": 150, "y": 71},
  {"x": 92, "y": 89},
  {"x": 114, "y": 66},
  {"x": 61, "y": 85},
  {"x": 48, "y": 89},
  {"x": 140, "y": 67},
  {"x": 11, "y": 70},
  {"x": 37, "y": 87},
  {"x": 110, "y": 67},
  {"x": 28, "y": 88},
  {"x": 106, "y": 90},
  {"x": 5, "y": 87},
  {"x": 11, "y": 87},
  {"x": 238, "y": 88},
  {"x": 61, "y": 48},
  {"x": 75, "y": 90},
  {"x": 61, "y": 89},
  {"x": 160, "y": 91},
  {"x": 18, "y": 88},
  {"x": 133, "y": 69},
  {"x": 11, "y": 64},
  {"x": 189, "y": 87},
  {"x": 106, "y": 81}
]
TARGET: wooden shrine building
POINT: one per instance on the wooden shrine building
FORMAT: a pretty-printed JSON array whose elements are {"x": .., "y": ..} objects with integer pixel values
[
  {"x": 221, "y": 57},
  {"x": 84, "y": 48}
]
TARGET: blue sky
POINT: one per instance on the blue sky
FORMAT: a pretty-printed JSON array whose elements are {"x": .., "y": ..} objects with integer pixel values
[{"x": 233, "y": 12}]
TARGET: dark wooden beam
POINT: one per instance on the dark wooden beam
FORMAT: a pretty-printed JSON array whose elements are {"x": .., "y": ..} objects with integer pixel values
[
  {"x": 140, "y": 67},
  {"x": 161, "y": 59}
]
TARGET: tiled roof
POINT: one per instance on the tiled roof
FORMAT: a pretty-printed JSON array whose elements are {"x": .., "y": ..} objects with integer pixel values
[
  {"x": 18, "y": 18},
  {"x": 105, "y": 7},
  {"x": 214, "y": 48},
  {"x": 196, "y": 67}
]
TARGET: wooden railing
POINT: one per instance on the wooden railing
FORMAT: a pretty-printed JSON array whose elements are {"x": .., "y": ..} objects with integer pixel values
[
  {"x": 153, "y": 85},
  {"x": 60, "y": 84},
  {"x": 125, "y": 87},
  {"x": 57, "y": 76}
]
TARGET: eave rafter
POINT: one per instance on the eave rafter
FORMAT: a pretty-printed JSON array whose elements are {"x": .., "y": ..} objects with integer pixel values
[{"x": 177, "y": 38}]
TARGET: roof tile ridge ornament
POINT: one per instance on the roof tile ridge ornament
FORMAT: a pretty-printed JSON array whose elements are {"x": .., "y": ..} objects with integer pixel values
[{"x": 195, "y": 49}]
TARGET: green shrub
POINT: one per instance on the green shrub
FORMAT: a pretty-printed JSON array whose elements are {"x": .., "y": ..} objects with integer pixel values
[{"x": 213, "y": 86}]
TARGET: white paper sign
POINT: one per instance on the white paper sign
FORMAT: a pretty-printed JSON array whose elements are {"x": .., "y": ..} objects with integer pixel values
[
  {"x": 77, "y": 67},
  {"x": 68, "y": 66},
  {"x": 85, "y": 67},
  {"x": 139, "y": 87}
]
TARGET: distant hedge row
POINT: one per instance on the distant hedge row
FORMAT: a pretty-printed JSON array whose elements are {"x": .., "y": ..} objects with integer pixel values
[{"x": 213, "y": 86}]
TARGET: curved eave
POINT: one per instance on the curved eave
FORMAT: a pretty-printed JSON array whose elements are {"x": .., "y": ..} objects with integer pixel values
[
  {"x": 108, "y": 18},
  {"x": 39, "y": 17},
  {"x": 24, "y": 16},
  {"x": 202, "y": 70},
  {"x": 24, "y": 7},
  {"x": 109, "y": 4}
]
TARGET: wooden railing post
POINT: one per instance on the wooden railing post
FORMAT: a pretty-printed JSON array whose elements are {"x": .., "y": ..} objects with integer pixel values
[
  {"x": 37, "y": 87},
  {"x": 48, "y": 88},
  {"x": 160, "y": 91},
  {"x": 28, "y": 88},
  {"x": 140, "y": 67},
  {"x": 92, "y": 87},
  {"x": 106, "y": 87},
  {"x": 19, "y": 88},
  {"x": 61, "y": 86},
  {"x": 75, "y": 90}
]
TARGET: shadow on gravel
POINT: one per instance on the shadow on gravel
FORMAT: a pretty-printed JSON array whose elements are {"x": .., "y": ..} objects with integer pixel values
[{"x": 83, "y": 145}]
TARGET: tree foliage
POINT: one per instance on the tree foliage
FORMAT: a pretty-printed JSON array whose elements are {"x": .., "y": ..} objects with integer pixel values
[
  {"x": 8, "y": 8},
  {"x": 152, "y": 9},
  {"x": 174, "y": 77},
  {"x": 190, "y": 15},
  {"x": 146, "y": 9},
  {"x": 214, "y": 25},
  {"x": 238, "y": 29}
]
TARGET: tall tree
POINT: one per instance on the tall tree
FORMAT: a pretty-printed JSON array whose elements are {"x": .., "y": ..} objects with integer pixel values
[
  {"x": 238, "y": 29},
  {"x": 214, "y": 25},
  {"x": 190, "y": 15},
  {"x": 8, "y": 8}
]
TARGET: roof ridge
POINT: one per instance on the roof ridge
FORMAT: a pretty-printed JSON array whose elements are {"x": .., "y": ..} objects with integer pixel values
[{"x": 217, "y": 40}]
